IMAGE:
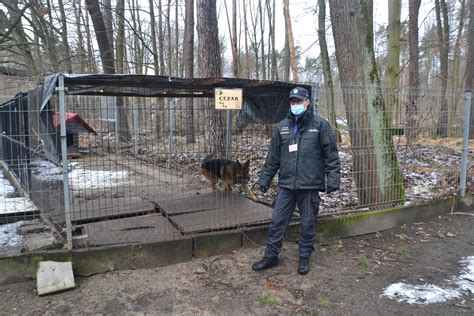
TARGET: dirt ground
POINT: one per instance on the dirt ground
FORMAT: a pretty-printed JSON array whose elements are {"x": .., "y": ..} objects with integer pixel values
[{"x": 347, "y": 277}]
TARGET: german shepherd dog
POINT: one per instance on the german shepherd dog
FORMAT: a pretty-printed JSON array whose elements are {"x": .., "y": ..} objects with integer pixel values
[{"x": 228, "y": 171}]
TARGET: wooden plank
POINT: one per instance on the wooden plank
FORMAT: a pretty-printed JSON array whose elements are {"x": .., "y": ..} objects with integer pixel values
[
  {"x": 147, "y": 228},
  {"x": 109, "y": 207}
]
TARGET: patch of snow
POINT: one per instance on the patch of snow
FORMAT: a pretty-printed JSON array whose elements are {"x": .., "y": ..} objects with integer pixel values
[
  {"x": 466, "y": 279},
  {"x": 429, "y": 293},
  {"x": 5, "y": 187},
  {"x": 8, "y": 236},
  {"x": 420, "y": 294},
  {"x": 46, "y": 170},
  {"x": 80, "y": 178},
  {"x": 10, "y": 205},
  {"x": 16, "y": 205}
]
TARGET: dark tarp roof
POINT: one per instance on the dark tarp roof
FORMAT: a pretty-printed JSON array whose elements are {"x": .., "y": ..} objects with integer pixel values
[{"x": 264, "y": 101}]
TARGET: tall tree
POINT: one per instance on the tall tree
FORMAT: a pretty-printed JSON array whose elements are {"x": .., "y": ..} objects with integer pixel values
[
  {"x": 375, "y": 167},
  {"x": 262, "y": 39},
  {"x": 153, "y": 36},
  {"x": 393, "y": 57},
  {"x": 107, "y": 58},
  {"x": 413, "y": 70},
  {"x": 456, "y": 75},
  {"x": 209, "y": 65},
  {"x": 246, "y": 36},
  {"x": 13, "y": 33},
  {"x": 188, "y": 55},
  {"x": 77, "y": 6},
  {"x": 323, "y": 47},
  {"x": 64, "y": 32},
  {"x": 233, "y": 36},
  {"x": 168, "y": 39},
  {"x": 442, "y": 27},
  {"x": 254, "y": 43},
  {"x": 271, "y": 42},
  {"x": 470, "y": 63},
  {"x": 161, "y": 38},
  {"x": 120, "y": 41},
  {"x": 105, "y": 49},
  {"x": 291, "y": 43}
]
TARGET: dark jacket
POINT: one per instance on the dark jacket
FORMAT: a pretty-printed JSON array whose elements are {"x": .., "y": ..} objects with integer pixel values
[{"x": 316, "y": 157}]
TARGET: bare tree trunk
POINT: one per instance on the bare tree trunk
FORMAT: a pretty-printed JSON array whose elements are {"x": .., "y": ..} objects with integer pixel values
[
  {"x": 49, "y": 40},
  {"x": 413, "y": 71},
  {"x": 209, "y": 65},
  {"x": 176, "y": 28},
  {"x": 107, "y": 57},
  {"x": 443, "y": 44},
  {"x": 375, "y": 166},
  {"x": 161, "y": 38},
  {"x": 274, "y": 54},
  {"x": 108, "y": 21},
  {"x": 90, "y": 52},
  {"x": 291, "y": 44},
  {"x": 80, "y": 38},
  {"x": 168, "y": 29},
  {"x": 137, "y": 43},
  {"x": 233, "y": 37},
  {"x": 262, "y": 39},
  {"x": 254, "y": 43},
  {"x": 188, "y": 55},
  {"x": 153, "y": 36},
  {"x": 67, "y": 51},
  {"x": 393, "y": 58},
  {"x": 455, "y": 82},
  {"x": 120, "y": 41},
  {"x": 470, "y": 63},
  {"x": 286, "y": 60},
  {"x": 327, "y": 66},
  {"x": 106, "y": 53},
  {"x": 271, "y": 42},
  {"x": 246, "y": 35}
]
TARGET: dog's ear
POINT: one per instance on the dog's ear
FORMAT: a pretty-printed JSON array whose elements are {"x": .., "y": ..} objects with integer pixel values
[
  {"x": 247, "y": 163},
  {"x": 238, "y": 163}
]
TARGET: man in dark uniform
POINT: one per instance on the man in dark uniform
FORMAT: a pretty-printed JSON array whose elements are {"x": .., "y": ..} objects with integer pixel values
[{"x": 304, "y": 151}]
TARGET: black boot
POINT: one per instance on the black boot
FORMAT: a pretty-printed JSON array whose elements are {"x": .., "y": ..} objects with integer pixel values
[
  {"x": 303, "y": 266},
  {"x": 265, "y": 263}
]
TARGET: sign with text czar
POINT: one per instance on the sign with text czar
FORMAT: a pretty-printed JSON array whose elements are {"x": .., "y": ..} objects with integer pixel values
[{"x": 228, "y": 99}]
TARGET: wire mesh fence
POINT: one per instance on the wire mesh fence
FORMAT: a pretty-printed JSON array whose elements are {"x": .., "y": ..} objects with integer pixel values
[{"x": 134, "y": 163}]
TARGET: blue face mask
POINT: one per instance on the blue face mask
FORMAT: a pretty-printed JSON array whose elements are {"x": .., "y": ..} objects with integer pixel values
[{"x": 297, "y": 109}]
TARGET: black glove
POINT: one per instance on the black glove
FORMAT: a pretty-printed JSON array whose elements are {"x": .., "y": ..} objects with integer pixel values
[
  {"x": 263, "y": 189},
  {"x": 331, "y": 189}
]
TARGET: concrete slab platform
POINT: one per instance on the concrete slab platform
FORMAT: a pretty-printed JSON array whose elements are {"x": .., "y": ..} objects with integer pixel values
[
  {"x": 148, "y": 228},
  {"x": 54, "y": 276},
  {"x": 196, "y": 203},
  {"x": 216, "y": 211},
  {"x": 109, "y": 208}
]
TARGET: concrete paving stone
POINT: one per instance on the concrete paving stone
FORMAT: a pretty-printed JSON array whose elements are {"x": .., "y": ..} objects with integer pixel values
[{"x": 54, "y": 276}]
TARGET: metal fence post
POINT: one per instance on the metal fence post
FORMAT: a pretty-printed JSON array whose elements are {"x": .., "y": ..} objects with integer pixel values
[
  {"x": 116, "y": 125},
  {"x": 465, "y": 141},
  {"x": 228, "y": 139},
  {"x": 171, "y": 108},
  {"x": 135, "y": 128},
  {"x": 64, "y": 160},
  {"x": 314, "y": 96}
]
